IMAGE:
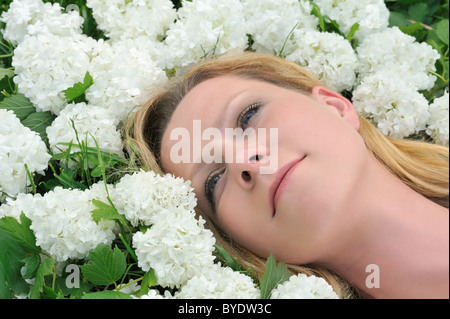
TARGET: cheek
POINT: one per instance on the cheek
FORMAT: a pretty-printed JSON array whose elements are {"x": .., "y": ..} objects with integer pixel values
[{"x": 244, "y": 222}]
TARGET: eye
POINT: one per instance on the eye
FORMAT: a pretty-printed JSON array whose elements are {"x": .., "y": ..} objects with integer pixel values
[
  {"x": 247, "y": 114},
  {"x": 210, "y": 186}
]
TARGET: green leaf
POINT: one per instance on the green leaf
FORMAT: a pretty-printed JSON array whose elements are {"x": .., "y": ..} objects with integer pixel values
[
  {"x": 316, "y": 12},
  {"x": 45, "y": 269},
  {"x": 66, "y": 179},
  {"x": 6, "y": 72},
  {"x": 226, "y": 258},
  {"x": 273, "y": 276},
  {"x": 442, "y": 31},
  {"x": 106, "y": 265},
  {"x": 148, "y": 281},
  {"x": 418, "y": 11},
  {"x": 397, "y": 19},
  {"x": 78, "y": 89},
  {"x": 19, "y": 104},
  {"x": 10, "y": 265},
  {"x": 39, "y": 122},
  {"x": 31, "y": 264},
  {"x": 106, "y": 212},
  {"x": 108, "y": 294},
  {"x": 21, "y": 232}
]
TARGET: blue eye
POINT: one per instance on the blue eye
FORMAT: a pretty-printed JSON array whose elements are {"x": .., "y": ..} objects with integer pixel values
[
  {"x": 213, "y": 182},
  {"x": 247, "y": 114},
  {"x": 210, "y": 186}
]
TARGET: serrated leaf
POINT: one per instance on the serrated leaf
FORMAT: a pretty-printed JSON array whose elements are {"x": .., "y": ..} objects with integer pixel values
[
  {"x": 45, "y": 269},
  {"x": 19, "y": 104},
  {"x": 106, "y": 265},
  {"x": 273, "y": 276},
  {"x": 21, "y": 232},
  {"x": 78, "y": 89},
  {"x": 108, "y": 294},
  {"x": 39, "y": 122},
  {"x": 106, "y": 212},
  {"x": 148, "y": 281},
  {"x": 31, "y": 264},
  {"x": 10, "y": 265}
]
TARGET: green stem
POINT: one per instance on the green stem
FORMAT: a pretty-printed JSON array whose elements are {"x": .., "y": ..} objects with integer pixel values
[
  {"x": 128, "y": 247},
  {"x": 130, "y": 283},
  {"x": 439, "y": 76},
  {"x": 6, "y": 55},
  {"x": 54, "y": 278}
]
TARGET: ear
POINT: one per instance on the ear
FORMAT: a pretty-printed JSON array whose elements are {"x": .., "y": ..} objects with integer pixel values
[{"x": 343, "y": 107}]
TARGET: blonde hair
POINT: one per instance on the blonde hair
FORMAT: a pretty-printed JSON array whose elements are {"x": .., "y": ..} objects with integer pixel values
[{"x": 422, "y": 166}]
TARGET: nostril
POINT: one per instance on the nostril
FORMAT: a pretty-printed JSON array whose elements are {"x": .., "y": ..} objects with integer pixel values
[{"x": 246, "y": 176}]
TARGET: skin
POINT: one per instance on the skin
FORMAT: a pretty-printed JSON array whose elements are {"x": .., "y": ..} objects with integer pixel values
[{"x": 329, "y": 210}]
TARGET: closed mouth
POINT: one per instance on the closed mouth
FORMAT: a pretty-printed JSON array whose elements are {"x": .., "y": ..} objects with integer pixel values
[{"x": 279, "y": 178}]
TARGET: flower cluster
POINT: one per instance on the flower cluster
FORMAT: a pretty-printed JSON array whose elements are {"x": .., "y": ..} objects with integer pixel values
[
  {"x": 388, "y": 93},
  {"x": 132, "y": 19},
  {"x": 142, "y": 196},
  {"x": 19, "y": 146},
  {"x": 372, "y": 16},
  {"x": 30, "y": 17},
  {"x": 304, "y": 287},
  {"x": 437, "y": 125},
  {"x": 52, "y": 55},
  {"x": 62, "y": 222},
  {"x": 85, "y": 122}
]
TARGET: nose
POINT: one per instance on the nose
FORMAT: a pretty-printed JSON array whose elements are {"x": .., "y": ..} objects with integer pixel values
[{"x": 245, "y": 173}]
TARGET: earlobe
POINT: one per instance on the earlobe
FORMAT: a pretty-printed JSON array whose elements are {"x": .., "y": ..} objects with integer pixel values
[{"x": 339, "y": 103}]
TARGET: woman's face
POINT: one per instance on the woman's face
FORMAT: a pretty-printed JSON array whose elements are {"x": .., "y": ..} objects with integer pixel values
[{"x": 313, "y": 158}]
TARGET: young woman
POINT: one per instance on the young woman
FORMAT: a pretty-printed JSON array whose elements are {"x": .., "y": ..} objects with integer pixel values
[{"x": 344, "y": 202}]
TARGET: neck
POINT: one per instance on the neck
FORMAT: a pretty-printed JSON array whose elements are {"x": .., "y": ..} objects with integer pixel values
[{"x": 402, "y": 246}]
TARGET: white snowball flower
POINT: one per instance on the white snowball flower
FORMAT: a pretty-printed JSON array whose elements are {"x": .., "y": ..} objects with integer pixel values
[
  {"x": 218, "y": 282},
  {"x": 90, "y": 122},
  {"x": 19, "y": 146},
  {"x": 437, "y": 125},
  {"x": 155, "y": 294},
  {"x": 177, "y": 246},
  {"x": 394, "y": 50},
  {"x": 143, "y": 195},
  {"x": 371, "y": 15},
  {"x": 46, "y": 64},
  {"x": 304, "y": 287},
  {"x": 204, "y": 28},
  {"x": 33, "y": 17},
  {"x": 125, "y": 75},
  {"x": 62, "y": 222},
  {"x": 121, "y": 19},
  {"x": 329, "y": 56},
  {"x": 270, "y": 23},
  {"x": 14, "y": 207},
  {"x": 392, "y": 103}
]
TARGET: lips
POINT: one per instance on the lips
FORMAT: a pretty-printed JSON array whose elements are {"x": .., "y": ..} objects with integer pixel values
[{"x": 275, "y": 190}]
